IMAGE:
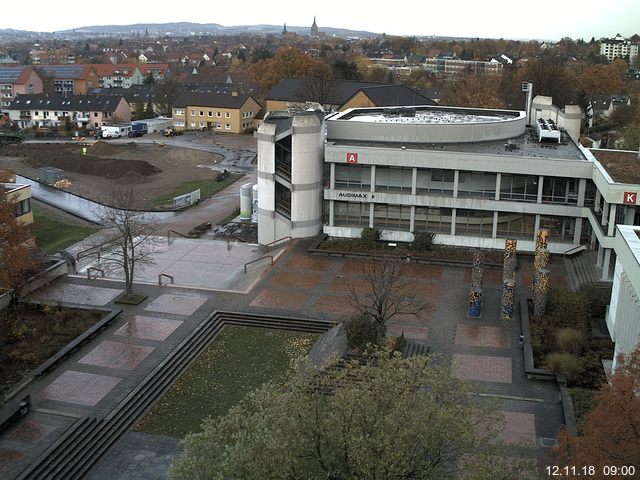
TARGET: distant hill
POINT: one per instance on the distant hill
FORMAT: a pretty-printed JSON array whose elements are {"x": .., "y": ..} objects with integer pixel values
[{"x": 187, "y": 29}]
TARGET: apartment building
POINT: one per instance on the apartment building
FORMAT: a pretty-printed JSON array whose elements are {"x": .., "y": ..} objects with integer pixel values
[
  {"x": 18, "y": 80},
  {"x": 618, "y": 47},
  {"x": 230, "y": 113}
]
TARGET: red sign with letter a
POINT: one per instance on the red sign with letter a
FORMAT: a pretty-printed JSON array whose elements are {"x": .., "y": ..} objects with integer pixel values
[
  {"x": 630, "y": 198},
  {"x": 352, "y": 157}
]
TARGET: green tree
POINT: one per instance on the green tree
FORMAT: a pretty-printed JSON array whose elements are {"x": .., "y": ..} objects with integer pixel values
[
  {"x": 386, "y": 418},
  {"x": 139, "y": 111},
  {"x": 148, "y": 111}
]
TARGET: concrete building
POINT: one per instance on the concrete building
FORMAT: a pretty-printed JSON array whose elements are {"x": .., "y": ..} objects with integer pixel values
[
  {"x": 623, "y": 313},
  {"x": 290, "y": 177},
  {"x": 67, "y": 79},
  {"x": 619, "y": 47},
  {"x": 118, "y": 75}
]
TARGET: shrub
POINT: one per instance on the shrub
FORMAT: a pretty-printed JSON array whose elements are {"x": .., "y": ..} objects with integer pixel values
[
  {"x": 568, "y": 309},
  {"x": 370, "y": 236},
  {"x": 361, "y": 331},
  {"x": 565, "y": 364},
  {"x": 423, "y": 241},
  {"x": 570, "y": 340},
  {"x": 396, "y": 344}
]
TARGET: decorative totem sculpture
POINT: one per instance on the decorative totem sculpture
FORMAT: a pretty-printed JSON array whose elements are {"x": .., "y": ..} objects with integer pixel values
[
  {"x": 508, "y": 279},
  {"x": 475, "y": 292}
]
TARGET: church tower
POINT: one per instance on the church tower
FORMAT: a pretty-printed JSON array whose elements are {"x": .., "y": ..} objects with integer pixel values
[{"x": 314, "y": 28}]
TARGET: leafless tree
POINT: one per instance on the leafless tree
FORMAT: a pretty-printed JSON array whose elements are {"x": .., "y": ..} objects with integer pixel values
[
  {"x": 319, "y": 86},
  {"x": 388, "y": 293},
  {"x": 133, "y": 241}
]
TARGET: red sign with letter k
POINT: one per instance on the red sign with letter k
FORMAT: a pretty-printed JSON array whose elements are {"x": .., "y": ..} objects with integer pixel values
[{"x": 630, "y": 198}]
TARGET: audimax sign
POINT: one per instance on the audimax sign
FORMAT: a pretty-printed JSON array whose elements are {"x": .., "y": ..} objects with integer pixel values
[{"x": 353, "y": 196}]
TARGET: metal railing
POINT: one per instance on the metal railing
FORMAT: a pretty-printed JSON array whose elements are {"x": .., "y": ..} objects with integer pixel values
[
  {"x": 571, "y": 251},
  {"x": 256, "y": 260},
  {"x": 169, "y": 232},
  {"x": 165, "y": 275},
  {"x": 271, "y": 244},
  {"x": 90, "y": 269}
]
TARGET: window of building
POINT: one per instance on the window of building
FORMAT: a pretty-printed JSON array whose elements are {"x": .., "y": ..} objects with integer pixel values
[
  {"x": 560, "y": 228},
  {"x": 193, "y": 113},
  {"x": 193, "y": 124},
  {"x": 227, "y": 115},
  {"x": 474, "y": 222},
  {"x": 209, "y": 113},
  {"x": 560, "y": 190},
  {"x": 218, "y": 126},
  {"x": 218, "y": 115},
  {"x": 429, "y": 219},
  {"x": 351, "y": 213},
  {"x": 393, "y": 179},
  {"x": 521, "y": 188},
  {"x": 476, "y": 184},
  {"x": 590, "y": 194},
  {"x": 178, "y": 123},
  {"x": 178, "y": 111},
  {"x": 227, "y": 126},
  {"x": 435, "y": 181},
  {"x": 23, "y": 207},
  {"x": 353, "y": 177},
  {"x": 201, "y": 124},
  {"x": 392, "y": 217},
  {"x": 516, "y": 225}
]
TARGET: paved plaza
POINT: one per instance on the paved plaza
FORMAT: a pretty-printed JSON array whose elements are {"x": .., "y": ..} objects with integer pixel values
[{"x": 99, "y": 375}]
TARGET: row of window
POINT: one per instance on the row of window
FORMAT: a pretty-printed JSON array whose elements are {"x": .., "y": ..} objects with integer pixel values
[
  {"x": 193, "y": 125},
  {"x": 523, "y": 188},
  {"x": 467, "y": 222}
]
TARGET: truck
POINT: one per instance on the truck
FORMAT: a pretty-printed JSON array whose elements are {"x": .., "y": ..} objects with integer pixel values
[
  {"x": 170, "y": 132},
  {"x": 138, "y": 129},
  {"x": 114, "y": 131}
]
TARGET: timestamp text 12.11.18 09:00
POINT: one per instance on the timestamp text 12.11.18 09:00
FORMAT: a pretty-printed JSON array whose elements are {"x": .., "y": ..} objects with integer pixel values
[{"x": 587, "y": 471}]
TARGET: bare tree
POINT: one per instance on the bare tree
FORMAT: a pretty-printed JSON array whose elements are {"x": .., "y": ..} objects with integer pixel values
[
  {"x": 388, "y": 293},
  {"x": 133, "y": 243},
  {"x": 319, "y": 86}
]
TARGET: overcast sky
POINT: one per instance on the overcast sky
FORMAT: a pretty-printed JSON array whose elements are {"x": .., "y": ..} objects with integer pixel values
[{"x": 547, "y": 20}]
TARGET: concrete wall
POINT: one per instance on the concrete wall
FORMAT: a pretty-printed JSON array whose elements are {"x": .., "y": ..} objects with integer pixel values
[
  {"x": 569, "y": 118},
  {"x": 267, "y": 230},
  {"x": 623, "y": 315},
  {"x": 306, "y": 176}
]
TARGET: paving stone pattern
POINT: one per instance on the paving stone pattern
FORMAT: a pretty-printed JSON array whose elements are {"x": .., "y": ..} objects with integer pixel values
[{"x": 97, "y": 377}]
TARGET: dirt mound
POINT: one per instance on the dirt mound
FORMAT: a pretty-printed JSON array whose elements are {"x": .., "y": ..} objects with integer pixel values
[
  {"x": 113, "y": 168},
  {"x": 106, "y": 148}
]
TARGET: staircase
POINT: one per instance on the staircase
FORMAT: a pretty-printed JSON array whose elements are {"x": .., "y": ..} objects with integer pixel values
[{"x": 583, "y": 271}]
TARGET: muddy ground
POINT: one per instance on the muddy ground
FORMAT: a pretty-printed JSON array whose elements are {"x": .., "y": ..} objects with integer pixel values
[{"x": 155, "y": 170}]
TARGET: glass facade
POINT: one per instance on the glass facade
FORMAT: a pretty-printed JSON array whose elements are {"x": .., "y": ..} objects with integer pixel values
[
  {"x": 435, "y": 181},
  {"x": 476, "y": 184},
  {"x": 520, "y": 188},
  {"x": 393, "y": 217},
  {"x": 516, "y": 225},
  {"x": 561, "y": 229},
  {"x": 433, "y": 220},
  {"x": 356, "y": 177},
  {"x": 351, "y": 214},
  {"x": 394, "y": 179},
  {"x": 560, "y": 190},
  {"x": 474, "y": 222}
]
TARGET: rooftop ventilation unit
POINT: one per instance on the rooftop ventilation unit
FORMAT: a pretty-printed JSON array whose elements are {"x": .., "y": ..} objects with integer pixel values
[{"x": 548, "y": 131}]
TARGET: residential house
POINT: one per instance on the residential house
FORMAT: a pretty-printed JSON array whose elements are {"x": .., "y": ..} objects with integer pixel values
[
  {"x": 20, "y": 196},
  {"x": 602, "y": 105},
  {"x": 89, "y": 111},
  {"x": 159, "y": 71},
  {"x": 386, "y": 96},
  {"x": 15, "y": 81},
  {"x": 619, "y": 47},
  {"x": 67, "y": 79},
  {"x": 211, "y": 111},
  {"x": 136, "y": 96},
  {"x": 118, "y": 75},
  {"x": 451, "y": 66},
  {"x": 295, "y": 93}
]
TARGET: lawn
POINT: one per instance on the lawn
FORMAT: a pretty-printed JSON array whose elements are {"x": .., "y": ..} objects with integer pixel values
[
  {"x": 238, "y": 361},
  {"x": 53, "y": 235},
  {"x": 207, "y": 189}
]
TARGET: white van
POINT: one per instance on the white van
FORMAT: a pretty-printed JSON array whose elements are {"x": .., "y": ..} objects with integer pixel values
[{"x": 115, "y": 131}]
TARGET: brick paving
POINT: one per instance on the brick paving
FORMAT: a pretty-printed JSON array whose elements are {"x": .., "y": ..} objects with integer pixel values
[{"x": 103, "y": 372}]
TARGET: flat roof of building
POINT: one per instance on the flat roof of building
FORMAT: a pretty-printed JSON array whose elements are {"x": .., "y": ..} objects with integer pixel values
[
  {"x": 427, "y": 115},
  {"x": 525, "y": 146},
  {"x": 623, "y": 166}
]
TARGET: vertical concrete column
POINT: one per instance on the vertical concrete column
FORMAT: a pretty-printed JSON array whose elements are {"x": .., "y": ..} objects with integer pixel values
[
  {"x": 498, "y": 180},
  {"x": 612, "y": 219},
  {"x": 331, "y": 212},
  {"x": 605, "y": 213},
  {"x": 596, "y": 207},
  {"x": 371, "y": 207},
  {"x": 577, "y": 232},
  {"x": 412, "y": 219},
  {"x": 582, "y": 190},
  {"x": 600, "y": 256},
  {"x": 373, "y": 179},
  {"x": 456, "y": 179},
  {"x": 606, "y": 262},
  {"x": 332, "y": 177},
  {"x": 540, "y": 184},
  {"x": 414, "y": 181},
  {"x": 494, "y": 230},
  {"x": 453, "y": 221},
  {"x": 536, "y": 226}
]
